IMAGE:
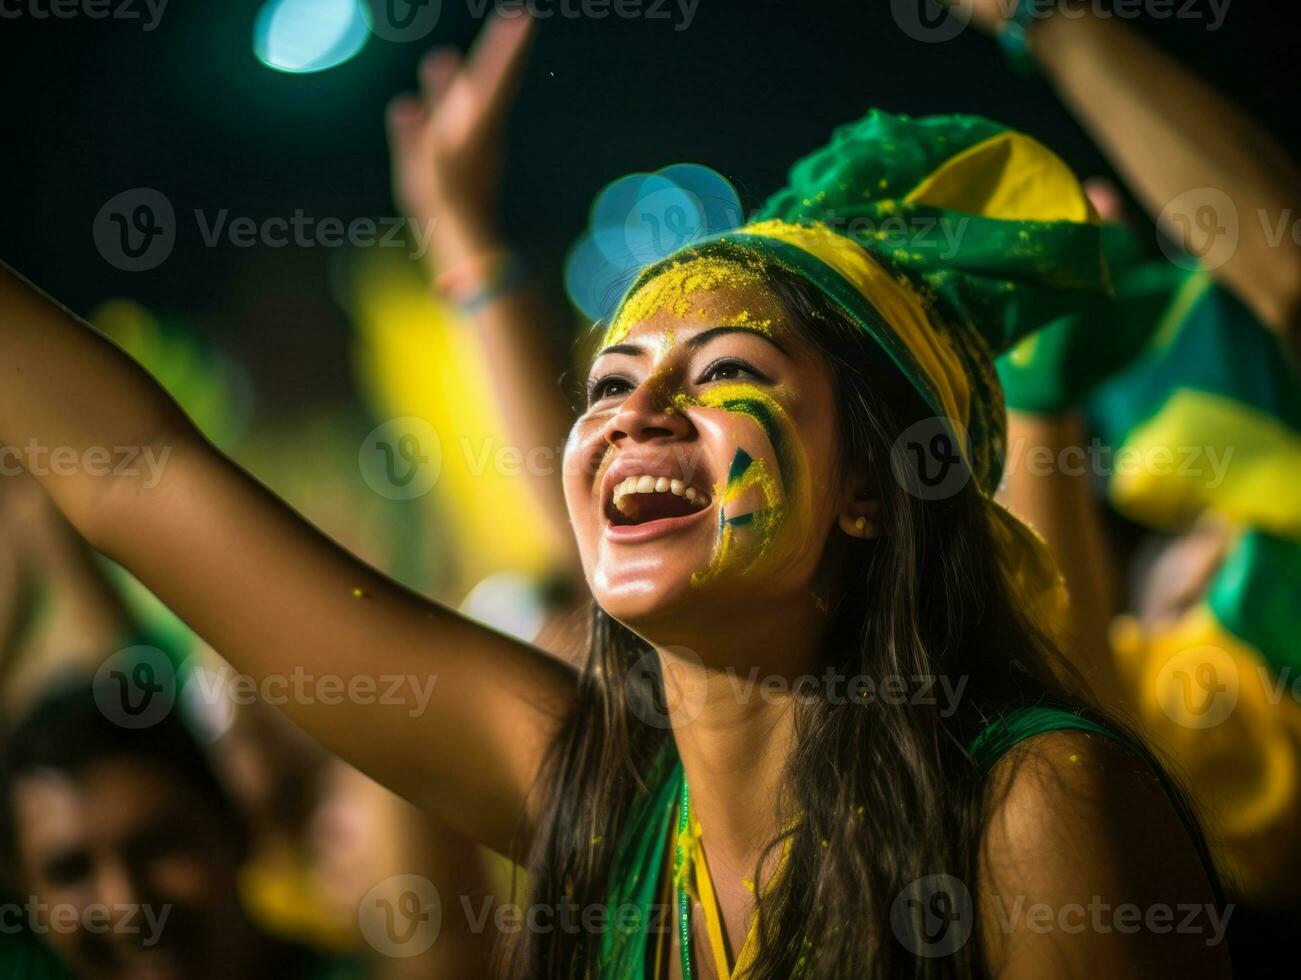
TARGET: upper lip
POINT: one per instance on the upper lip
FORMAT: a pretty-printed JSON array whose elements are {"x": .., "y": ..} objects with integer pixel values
[{"x": 664, "y": 462}]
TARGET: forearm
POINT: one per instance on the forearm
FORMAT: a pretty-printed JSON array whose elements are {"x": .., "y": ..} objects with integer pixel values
[
  {"x": 1047, "y": 485},
  {"x": 1168, "y": 133},
  {"x": 525, "y": 374},
  {"x": 75, "y": 411}
]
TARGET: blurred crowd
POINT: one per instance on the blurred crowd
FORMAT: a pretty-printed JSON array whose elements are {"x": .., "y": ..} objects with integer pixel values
[{"x": 1155, "y": 444}]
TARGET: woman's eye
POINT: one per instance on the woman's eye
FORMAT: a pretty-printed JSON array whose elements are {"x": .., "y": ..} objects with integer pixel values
[
  {"x": 610, "y": 386},
  {"x": 730, "y": 370}
]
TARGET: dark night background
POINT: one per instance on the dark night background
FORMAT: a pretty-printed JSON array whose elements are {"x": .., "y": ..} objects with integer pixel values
[{"x": 94, "y": 107}]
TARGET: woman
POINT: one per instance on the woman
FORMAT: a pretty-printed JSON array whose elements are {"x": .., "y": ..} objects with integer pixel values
[{"x": 780, "y": 493}]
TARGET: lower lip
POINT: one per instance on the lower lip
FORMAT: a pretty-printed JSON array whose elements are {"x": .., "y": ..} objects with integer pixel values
[{"x": 633, "y": 533}]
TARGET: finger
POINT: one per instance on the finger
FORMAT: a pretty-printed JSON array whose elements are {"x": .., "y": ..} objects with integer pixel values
[
  {"x": 497, "y": 60},
  {"x": 437, "y": 73},
  {"x": 1106, "y": 199},
  {"x": 404, "y": 117}
]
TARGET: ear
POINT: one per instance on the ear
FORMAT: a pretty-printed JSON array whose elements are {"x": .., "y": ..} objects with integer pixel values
[{"x": 860, "y": 508}]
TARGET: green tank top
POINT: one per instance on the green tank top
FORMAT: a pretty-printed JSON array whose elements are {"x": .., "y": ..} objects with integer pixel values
[{"x": 638, "y": 864}]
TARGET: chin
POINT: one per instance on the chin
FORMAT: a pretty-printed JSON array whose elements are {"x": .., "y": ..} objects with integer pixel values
[{"x": 648, "y": 608}]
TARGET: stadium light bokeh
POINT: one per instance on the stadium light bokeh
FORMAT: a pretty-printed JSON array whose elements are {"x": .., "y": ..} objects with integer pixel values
[{"x": 302, "y": 36}]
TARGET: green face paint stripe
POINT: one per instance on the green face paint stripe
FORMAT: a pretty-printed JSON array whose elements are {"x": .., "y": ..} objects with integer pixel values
[
  {"x": 740, "y": 463},
  {"x": 763, "y": 415},
  {"x": 745, "y": 519}
]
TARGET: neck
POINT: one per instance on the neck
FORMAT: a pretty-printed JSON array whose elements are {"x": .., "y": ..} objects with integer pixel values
[{"x": 735, "y": 729}]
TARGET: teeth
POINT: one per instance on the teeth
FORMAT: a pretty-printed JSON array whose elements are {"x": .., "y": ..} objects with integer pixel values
[{"x": 656, "y": 484}]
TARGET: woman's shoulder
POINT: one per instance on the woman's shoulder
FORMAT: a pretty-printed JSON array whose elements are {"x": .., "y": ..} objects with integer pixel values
[{"x": 1087, "y": 862}]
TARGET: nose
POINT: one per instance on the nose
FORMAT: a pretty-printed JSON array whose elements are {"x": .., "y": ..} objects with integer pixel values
[
  {"x": 119, "y": 884},
  {"x": 647, "y": 415}
]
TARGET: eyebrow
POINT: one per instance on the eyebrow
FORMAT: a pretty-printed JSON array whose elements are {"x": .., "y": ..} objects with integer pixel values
[{"x": 695, "y": 341}]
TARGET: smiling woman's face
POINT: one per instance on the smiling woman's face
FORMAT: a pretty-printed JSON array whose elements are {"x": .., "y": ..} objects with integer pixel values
[{"x": 701, "y": 475}]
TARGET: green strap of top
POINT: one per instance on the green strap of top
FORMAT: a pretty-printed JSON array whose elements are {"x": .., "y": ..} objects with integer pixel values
[{"x": 1002, "y": 735}]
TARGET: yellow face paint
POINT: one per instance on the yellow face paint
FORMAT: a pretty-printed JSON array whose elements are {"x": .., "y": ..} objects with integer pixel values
[
  {"x": 673, "y": 290},
  {"x": 745, "y": 540}
]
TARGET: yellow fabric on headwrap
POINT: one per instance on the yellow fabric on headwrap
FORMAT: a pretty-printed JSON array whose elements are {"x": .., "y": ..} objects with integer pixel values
[
  {"x": 1009, "y": 176},
  {"x": 897, "y": 302}
]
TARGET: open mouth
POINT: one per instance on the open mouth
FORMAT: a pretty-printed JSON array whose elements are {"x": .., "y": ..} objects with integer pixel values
[{"x": 642, "y": 498}]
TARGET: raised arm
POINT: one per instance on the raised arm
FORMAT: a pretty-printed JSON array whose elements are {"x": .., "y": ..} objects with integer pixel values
[
  {"x": 446, "y": 146},
  {"x": 1169, "y": 133},
  {"x": 450, "y": 714},
  {"x": 58, "y": 609}
]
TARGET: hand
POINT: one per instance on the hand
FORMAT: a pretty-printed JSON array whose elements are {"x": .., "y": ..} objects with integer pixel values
[
  {"x": 986, "y": 15},
  {"x": 446, "y": 141}
]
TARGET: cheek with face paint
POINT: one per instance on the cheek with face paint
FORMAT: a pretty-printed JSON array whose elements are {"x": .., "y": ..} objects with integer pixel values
[{"x": 764, "y": 506}]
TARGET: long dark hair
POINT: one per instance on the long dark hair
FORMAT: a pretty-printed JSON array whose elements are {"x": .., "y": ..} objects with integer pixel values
[{"x": 889, "y": 793}]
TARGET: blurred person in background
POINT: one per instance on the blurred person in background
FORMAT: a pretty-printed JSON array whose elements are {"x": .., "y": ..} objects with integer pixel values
[
  {"x": 446, "y": 145},
  {"x": 1189, "y": 626},
  {"x": 126, "y": 850}
]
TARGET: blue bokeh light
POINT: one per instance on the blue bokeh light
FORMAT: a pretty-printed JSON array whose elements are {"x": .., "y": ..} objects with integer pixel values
[
  {"x": 640, "y": 219},
  {"x": 300, "y": 36}
]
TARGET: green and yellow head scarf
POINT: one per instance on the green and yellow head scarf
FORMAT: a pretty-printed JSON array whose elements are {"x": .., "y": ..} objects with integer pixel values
[{"x": 947, "y": 239}]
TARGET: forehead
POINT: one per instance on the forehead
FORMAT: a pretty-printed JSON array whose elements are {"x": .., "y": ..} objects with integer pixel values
[
  {"x": 55, "y": 810},
  {"x": 698, "y": 293}
]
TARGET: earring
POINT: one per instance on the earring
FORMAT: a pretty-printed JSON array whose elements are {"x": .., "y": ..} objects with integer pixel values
[{"x": 860, "y": 525}]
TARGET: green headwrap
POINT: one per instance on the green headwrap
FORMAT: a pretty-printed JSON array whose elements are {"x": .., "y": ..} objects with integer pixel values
[{"x": 948, "y": 239}]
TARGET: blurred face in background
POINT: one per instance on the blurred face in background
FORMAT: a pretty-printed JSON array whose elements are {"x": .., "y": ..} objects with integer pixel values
[{"x": 134, "y": 874}]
